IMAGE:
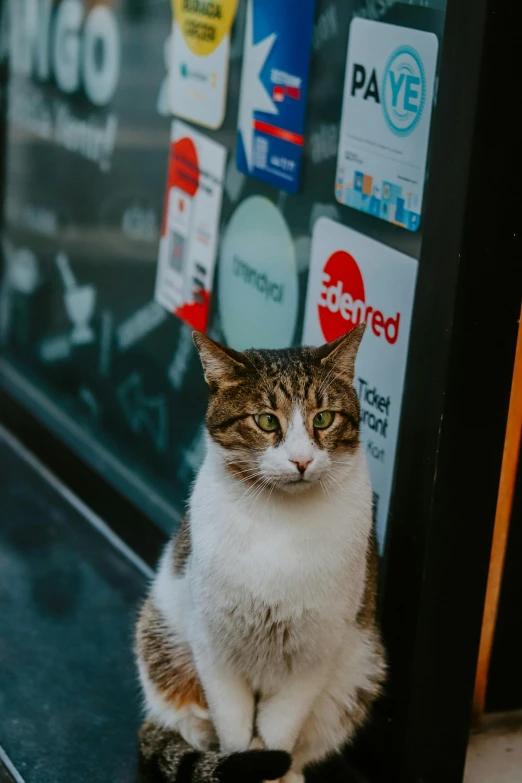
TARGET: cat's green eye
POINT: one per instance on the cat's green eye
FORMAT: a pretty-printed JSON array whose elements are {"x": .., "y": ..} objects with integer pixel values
[
  {"x": 267, "y": 422},
  {"x": 323, "y": 419}
]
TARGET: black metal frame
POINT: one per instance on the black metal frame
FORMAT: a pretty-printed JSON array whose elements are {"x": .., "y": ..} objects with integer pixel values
[
  {"x": 455, "y": 403},
  {"x": 454, "y": 414}
]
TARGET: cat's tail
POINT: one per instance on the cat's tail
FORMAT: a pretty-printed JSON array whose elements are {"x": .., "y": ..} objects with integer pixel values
[{"x": 178, "y": 762}]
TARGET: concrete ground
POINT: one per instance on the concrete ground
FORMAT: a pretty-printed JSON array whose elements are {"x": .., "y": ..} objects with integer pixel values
[{"x": 495, "y": 752}]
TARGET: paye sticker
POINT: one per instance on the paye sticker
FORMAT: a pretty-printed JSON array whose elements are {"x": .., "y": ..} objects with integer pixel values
[{"x": 385, "y": 125}]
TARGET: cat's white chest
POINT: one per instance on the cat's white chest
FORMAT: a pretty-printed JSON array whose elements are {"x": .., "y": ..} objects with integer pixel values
[
  {"x": 274, "y": 577},
  {"x": 263, "y": 595}
]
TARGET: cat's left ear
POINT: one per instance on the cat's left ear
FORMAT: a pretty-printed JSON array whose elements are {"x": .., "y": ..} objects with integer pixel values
[
  {"x": 343, "y": 351},
  {"x": 220, "y": 363}
]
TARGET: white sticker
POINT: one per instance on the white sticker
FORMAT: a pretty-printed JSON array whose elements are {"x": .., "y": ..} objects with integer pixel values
[
  {"x": 355, "y": 279},
  {"x": 188, "y": 243},
  {"x": 200, "y": 55},
  {"x": 385, "y": 126}
]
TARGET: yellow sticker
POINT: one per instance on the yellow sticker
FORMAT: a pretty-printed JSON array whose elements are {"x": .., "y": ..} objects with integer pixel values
[{"x": 204, "y": 24}]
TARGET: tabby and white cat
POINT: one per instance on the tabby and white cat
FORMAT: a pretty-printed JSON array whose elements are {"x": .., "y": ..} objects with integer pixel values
[{"x": 260, "y": 630}]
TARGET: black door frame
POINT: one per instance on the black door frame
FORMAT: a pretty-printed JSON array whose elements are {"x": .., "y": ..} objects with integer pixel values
[{"x": 456, "y": 399}]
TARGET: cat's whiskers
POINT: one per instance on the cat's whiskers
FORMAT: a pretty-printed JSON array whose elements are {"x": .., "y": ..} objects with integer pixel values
[
  {"x": 252, "y": 478},
  {"x": 334, "y": 480},
  {"x": 252, "y": 493},
  {"x": 263, "y": 486},
  {"x": 343, "y": 465},
  {"x": 252, "y": 487},
  {"x": 337, "y": 471},
  {"x": 271, "y": 490},
  {"x": 246, "y": 470},
  {"x": 325, "y": 489},
  {"x": 230, "y": 461}
]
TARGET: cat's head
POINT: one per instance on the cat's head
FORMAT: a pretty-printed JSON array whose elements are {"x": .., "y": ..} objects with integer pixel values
[{"x": 286, "y": 418}]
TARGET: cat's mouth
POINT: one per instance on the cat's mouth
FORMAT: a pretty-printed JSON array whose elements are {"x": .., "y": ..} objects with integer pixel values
[{"x": 295, "y": 484}]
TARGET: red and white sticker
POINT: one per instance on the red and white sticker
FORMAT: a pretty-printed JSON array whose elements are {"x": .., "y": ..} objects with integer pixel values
[
  {"x": 354, "y": 279},
  {"x": 189, "y": 236}
]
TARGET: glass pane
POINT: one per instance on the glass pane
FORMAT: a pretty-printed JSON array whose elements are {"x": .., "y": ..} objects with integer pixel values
[{"x": 83, "y": 341}]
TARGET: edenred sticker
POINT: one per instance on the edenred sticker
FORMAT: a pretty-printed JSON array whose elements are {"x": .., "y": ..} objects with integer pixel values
[
  {"x": 354, "y": 279},
  {"x": 188, "y": 243}
]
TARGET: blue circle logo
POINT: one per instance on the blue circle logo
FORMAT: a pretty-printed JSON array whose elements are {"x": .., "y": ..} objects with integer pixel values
[{"x": 403, "y": 90}]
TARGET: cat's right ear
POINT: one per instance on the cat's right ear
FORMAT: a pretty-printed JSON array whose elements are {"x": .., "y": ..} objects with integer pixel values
[
  {"x": 221, "y": 365},
  {"x": 343, "y": 351}
]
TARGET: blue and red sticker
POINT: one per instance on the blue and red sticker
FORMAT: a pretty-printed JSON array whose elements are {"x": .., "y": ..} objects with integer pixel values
[{"x": 278, "y": 41}]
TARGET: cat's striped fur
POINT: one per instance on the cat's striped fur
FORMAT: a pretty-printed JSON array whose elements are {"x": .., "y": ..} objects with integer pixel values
[{"x": 167, "y": 752}]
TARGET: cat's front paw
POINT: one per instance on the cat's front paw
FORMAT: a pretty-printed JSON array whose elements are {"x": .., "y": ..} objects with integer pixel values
[{"x": 198, "y": 732}]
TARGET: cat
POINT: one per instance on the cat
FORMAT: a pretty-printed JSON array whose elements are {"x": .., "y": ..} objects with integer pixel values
[{"x": 260, "y": 627}]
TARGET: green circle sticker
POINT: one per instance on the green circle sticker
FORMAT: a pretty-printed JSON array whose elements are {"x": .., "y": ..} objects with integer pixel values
[{"x": 258, "y": 288}]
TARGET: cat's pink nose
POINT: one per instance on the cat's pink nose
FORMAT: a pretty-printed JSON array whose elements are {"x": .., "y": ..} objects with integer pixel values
[{"x": 301, "y": 464}]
